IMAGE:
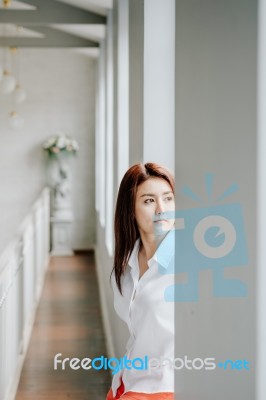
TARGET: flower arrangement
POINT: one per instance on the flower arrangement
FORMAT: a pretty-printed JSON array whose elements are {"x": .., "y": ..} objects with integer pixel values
[{"x": 60, "y": 144}]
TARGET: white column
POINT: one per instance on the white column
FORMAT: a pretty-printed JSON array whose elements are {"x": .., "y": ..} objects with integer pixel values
[
  {"x": 159, "y": 78},
  {"x": 97, "y": 138},
  {"x": 151, "y": 81},
  {"x": 216, "y": 133},
  {"x": 109, "y": 134},
  {"x": 261, "y": 209},
  {"x": 122, "y": 90},
  {"x": 136, "y": 71},
  {"x": 101, "y": 178}
]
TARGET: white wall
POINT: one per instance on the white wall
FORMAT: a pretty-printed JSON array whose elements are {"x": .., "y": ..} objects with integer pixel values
[
  {"x": 61, "y": 96},
  {"x": 216, "y": 132}
]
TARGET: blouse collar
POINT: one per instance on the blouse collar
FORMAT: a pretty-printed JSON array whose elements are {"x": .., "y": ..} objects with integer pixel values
[{"x": 163, "y": 255}]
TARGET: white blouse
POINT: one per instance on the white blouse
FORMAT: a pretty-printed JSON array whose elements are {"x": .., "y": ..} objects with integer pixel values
[{"x": 150, "y": 319}]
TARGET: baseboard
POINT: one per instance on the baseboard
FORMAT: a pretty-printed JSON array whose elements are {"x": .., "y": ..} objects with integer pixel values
[{"x": 84, "y": 251}]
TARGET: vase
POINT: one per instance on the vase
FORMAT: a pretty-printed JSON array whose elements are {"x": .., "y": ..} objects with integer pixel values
[
  {"x": 62, "y": 214},
  {"x": 60, "y": 181}
]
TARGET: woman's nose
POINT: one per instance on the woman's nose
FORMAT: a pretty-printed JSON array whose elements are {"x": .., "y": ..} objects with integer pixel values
[{"x": 159, "y": 208}]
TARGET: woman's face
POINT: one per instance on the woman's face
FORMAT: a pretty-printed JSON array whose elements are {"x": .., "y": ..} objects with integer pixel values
[{"x": 153, "y": 198}]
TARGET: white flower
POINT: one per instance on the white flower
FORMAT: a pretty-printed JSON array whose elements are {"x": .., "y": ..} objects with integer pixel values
[{"x": 61, "y": 142}]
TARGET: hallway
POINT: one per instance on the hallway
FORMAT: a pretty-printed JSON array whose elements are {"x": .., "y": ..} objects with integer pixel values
[
  {"x": 90, "y": 88},
  {"x": 68, "y": 321}
]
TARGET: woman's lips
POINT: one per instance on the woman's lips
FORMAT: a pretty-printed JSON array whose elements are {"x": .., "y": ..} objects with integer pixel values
[{"x": 160, "y": 220}]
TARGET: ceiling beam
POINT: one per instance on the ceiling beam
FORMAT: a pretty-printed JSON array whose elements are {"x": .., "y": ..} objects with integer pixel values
[
  {"x": 52, "y": 38},
  {"x": 50, "y": 12}
]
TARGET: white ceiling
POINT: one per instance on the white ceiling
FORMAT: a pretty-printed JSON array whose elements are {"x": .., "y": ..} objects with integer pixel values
[
  {"x": 98, "y": 6},
  {"x": 18, "y": 5},
  {"x": 13, "y": 30},
  {"x": 93, "y": 32}
]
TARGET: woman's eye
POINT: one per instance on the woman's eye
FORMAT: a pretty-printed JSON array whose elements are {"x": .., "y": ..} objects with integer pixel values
[
  {"x": 148, "y": 201},
  {"x": 169, "y": 198}
]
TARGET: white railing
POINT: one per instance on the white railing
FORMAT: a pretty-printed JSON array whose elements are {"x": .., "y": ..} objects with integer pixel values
[{"x": 22, "y": 270}]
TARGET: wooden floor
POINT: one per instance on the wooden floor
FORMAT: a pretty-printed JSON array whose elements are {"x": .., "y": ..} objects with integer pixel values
[{"x": 68, "y": 321}]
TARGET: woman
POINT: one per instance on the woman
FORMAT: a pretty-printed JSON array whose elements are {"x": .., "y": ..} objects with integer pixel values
[{"x": 144, "y": 250}]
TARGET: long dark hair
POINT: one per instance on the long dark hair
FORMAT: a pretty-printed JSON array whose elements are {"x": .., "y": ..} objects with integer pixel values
[{"x": 125, "y": 226}]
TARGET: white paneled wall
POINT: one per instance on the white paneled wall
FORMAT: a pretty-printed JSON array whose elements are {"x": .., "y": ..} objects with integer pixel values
[
  {"x": 61, "y": 96},
  {"x": 22, "y": 269}
]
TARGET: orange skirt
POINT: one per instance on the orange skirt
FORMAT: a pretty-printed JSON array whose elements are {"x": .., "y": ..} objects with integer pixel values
[{"x": 137, "y": 395}]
